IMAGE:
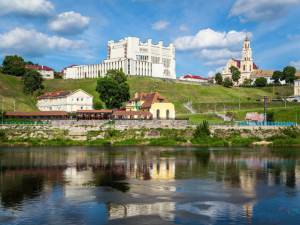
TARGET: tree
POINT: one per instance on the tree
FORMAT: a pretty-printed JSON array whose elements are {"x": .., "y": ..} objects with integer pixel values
[
  {"x": 247, "y": 82},
  {"x": 227, "y": 82},
  {"x": 1, "y": 69},
  {"x": 277, "y": 76},
  {"x": 219, "y": 79},
  {"x": 113, "y": 89},
  {"x": 261, "y": 82},
  {"x": 236, "y": 73},
  {"x": 98, "y": 105},
  {"x": 9, "y": 64},
  {"x": 289, "y": 74},
  {"x": 32, "y": 80},
  {"x": 18, "y": 68},
  {"x": 29, "y": 63},
  {"x": 270, "y": 116},
  {"x": 58, "y": 75},
  {"x": 202, "y": 130}
]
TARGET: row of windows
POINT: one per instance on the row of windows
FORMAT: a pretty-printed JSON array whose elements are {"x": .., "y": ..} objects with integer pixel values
[
  {"x": 166, "y": 62},
  {"x": 155, "y": 59},
  {"x": 142, "y": 58}
]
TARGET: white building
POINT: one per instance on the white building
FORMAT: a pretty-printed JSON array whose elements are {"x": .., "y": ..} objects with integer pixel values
[
  {"x": 69, "y": 101},
  {"x": 136, "y": 58}
]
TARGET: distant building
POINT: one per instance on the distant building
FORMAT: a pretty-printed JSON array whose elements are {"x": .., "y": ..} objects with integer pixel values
[
  {"x": 45, "y": 71},
  {"x": 64, "y": 71},
  {"x": 151, "y": 105},
  {"x": 136, "y": 58},
  {"x": 245, "y": 65},
  {"x": 297, "y": 87},
  {"x": 255, "y": 117},
  {"x": 263, "y": 73},
  {"x": 196, "y": 79},
  {"x": 69, "y": 101}
]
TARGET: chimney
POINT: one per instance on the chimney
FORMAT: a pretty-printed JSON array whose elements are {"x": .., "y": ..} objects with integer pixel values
[
  {"x": 136, "y": 94},
  {"x": 42, "y": 67}
]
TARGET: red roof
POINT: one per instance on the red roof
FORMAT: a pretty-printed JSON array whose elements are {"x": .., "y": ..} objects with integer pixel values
[
  {"x": 254, "y": 66},
  {"x": 38, "y": 67},
  {"x": 195, "y": 77},
  {"x": 69, "y": 66},
  {"x": 239, "y": 64},
  {"x": 132, "y": 113}
]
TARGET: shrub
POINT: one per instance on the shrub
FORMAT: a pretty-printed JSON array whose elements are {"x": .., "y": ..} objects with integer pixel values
[
  {"x": 131, "y": 141},
  {"x": 2, "y": 133},
  {"x": 162, "y": 142},
  {"x": 202, "y": 130},
  {"x": 241, "y": 142}
]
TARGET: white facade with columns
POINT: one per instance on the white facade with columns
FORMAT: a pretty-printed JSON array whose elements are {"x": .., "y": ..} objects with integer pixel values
[{"x": 136, "y": 58}]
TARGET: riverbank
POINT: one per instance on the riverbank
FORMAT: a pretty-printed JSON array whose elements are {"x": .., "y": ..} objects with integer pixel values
[{"x": 130, "y": 135}]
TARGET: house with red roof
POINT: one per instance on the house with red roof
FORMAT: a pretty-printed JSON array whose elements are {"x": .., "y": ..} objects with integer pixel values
[
  {"x": 64, "y": 71},
  {"x": 245, "y": 64},
  {"x": 196, "y": 79},
  {"x": 45, "y": 71}
]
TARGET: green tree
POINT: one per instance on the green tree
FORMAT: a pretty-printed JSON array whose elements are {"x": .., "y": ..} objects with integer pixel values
[
  {"x": 29, "y": 63},
  {"x": 98, "y": 105},
  {"x": 219, "y": 79},
  {"x": 289, "y": 74},
  {"x": 236, "y": 73},
  {"x": 58, "y": 75},
  {"x": 32, "y": 81},
  {"x": 247, "y": 82},
  {"x": 1, "y": 69},
  {"x": 261, "y": 82},
  {"x": 227, "y": 82},
  {"x": 18, "y": 68},
  {"x": 113, "y": 89},
  {"x": 9, "y": 64},
  {"x": 277, "y": 76},
  {"x": 202, "y": 130}
]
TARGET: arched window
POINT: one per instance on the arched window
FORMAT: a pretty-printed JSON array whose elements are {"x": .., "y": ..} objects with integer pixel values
[
  {"x": 158, "y": 114},
  {"x": 168, "y": 113},
  {"x": 244, "y": 67}
]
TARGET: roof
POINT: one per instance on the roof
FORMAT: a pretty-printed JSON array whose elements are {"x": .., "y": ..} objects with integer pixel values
[
  {"x": 38, "y": 67},
  {"x": 132, "y": 113},
  {"x": 94, "y": 111},
  {"x": 195, "y": 77},
  {"x": 238, "y": 62},
  {"x": 59, "y": 94},
  {"x": 36, "y": 113},
  {"x": 69, "y": 67},
  {"x": 261, "y": 73},
  {"x": 149, "y": 99}
]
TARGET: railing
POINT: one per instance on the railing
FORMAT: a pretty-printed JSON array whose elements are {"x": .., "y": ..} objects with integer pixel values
[
  {"x": 215, "y": 124},
  {"x": 266, "y": 123}
]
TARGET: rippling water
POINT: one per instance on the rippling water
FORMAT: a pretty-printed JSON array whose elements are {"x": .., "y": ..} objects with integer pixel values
[{"x": 149, "y": 185}]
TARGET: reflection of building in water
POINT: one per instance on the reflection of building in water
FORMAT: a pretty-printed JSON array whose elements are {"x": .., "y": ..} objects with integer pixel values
[
  {"x": 248, "y": 209},
  {"x": 162, "y": 209},
  {"x": 164, "y": 169}
]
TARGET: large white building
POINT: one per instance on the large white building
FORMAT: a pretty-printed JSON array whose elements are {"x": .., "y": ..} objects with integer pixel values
[{"x": 136, "y": 58}]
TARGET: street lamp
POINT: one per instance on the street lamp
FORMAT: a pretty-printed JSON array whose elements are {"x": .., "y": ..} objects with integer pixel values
[
  {"x": 2, "y": 109},
  {"x": 15, "y": 104}
]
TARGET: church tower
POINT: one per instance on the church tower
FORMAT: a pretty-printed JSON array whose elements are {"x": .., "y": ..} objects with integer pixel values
[{"x": 246, "y": 61}]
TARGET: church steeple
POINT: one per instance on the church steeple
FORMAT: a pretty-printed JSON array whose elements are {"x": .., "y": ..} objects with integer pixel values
[{"x": 247, "y": 52}]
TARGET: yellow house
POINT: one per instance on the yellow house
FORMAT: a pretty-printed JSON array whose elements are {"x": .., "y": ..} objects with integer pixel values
[{"x": 153, "y": 104}]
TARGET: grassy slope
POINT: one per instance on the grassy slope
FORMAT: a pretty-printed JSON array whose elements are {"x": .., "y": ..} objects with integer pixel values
[
  {"x": 198, "y": 118},
  {"x": 177, "y": 93},
  {"x": 10, "y": 89}
]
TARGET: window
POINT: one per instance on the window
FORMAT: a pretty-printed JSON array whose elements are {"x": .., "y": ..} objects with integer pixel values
[
  {"x": 244, "y": 67},
  {"x": 81, "y": 107},
  {"x": 81, "y": 99},
  {"x": 158, "y": 114},
  {"x": 77, "y": 99}
]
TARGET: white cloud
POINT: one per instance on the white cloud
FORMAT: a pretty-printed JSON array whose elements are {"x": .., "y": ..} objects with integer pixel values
[
  {"x": 213, "y": 73},
  {"x": 218, "y": 54},
  {"x": 211, "y": 39},
  {"x": 184, "y": 29},
  {"x": 160, "y": 25},
  {"x": 293, "y": 37},
  {"x": 32, "y": 43},
  {"x": 218, "y": 62},
  {"x": 296, "y": 65},
  {"x": 70, "y": 23},
  {"x": 27, "y": 8},
  {"x": 262, "y": 10}
]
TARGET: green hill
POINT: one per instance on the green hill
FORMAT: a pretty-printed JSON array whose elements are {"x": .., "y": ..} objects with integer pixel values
[{"x": 177, "y": 93}]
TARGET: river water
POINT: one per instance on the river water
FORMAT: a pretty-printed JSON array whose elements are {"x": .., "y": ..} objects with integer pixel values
[{"x": 149, "y": 185}]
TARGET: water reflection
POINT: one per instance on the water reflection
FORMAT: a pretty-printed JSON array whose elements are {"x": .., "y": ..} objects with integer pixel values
[{"x": 145, "y": 181}]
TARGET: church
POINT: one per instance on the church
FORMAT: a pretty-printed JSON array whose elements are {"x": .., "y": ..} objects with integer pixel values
[{"x": 245, "y": 65}]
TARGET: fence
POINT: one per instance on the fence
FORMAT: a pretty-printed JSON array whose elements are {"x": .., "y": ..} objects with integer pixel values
[
  {"x": 215, "y": 124},
  {"x": 266, "y": 123}
]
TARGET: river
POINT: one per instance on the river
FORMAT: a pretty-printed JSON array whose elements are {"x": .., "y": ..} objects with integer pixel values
[{"x": 149, "y": 185}]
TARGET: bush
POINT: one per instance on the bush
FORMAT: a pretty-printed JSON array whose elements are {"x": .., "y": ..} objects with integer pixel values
[
  {"x": 131, "y": 141},
  {"x": 162, "y": 142},
  {"x": 2, "y": 133},
  {"x": 98, "y": 142},
  {"x": 241, "y": 141},
  {"x": 202, "y": 130}
]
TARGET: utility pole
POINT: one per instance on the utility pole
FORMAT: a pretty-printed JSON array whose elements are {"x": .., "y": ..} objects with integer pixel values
[
  {"x": 265, "y": 108},
  {"x": 207, "y": 106},
  {"x": 15, "y": 104},
  {"x": 199, "y": 107},
  {"x": 215, "y": 107},
  {"x": 239, "y": 104},
  {"x": 224, "y": 104},
  {"x": 2, "y": 109},
  {"x": 296, "y": 119},
  {"x": 140, "y": 110},
  {"x": 285, "y": 101}
]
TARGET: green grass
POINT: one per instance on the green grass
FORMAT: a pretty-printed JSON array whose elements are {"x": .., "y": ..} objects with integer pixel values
[
  {"x": 280, "y": 114},
  {"x": 198, "y": 118},
  {"x": 177, "y": 93}
]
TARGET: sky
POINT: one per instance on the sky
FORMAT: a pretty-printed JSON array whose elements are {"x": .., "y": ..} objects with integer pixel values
[{"x": 206, "y": 33}]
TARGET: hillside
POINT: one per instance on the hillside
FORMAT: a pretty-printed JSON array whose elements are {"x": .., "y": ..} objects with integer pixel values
[
  {"x": 10, "y": 90},
  {"x": 177, "y": 93}
]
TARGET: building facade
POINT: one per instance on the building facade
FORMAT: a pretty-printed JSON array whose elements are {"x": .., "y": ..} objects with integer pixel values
[
  {"x": 245, "y": 64},
  {"x": 45, "y": 71},
  {"x": 68, "y": 101},
  {"x": 136, "y": 58},
  {"x": 196, "y": 79},
  {"x": 297, "y": 86},
  {"x": 150, "y": 104}
]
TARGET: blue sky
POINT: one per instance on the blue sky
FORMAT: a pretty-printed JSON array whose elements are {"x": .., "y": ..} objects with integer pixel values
[{"x": 205, "y": 33}]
